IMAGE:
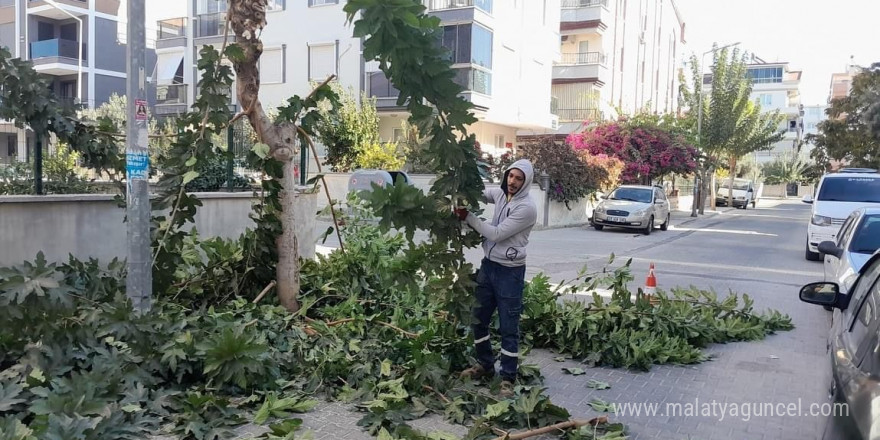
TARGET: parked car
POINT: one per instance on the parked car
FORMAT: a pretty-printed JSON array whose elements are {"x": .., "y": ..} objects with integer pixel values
[
  {"x": 633, "y": 207},
  {"x": 743, "y": 193},
  {"x": 857, "y": 240},
  {"x": 854, "y": 351},
  {"x": 837, "y": 195}
]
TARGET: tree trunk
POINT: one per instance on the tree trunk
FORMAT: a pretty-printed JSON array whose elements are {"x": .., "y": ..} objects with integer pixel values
[
  {"x": 247, "y": 19},
  {"x": 732, "y": 176}
]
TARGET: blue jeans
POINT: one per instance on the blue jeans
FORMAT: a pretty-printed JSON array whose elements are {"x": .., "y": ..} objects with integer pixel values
[{"x": 499, "y": 287}]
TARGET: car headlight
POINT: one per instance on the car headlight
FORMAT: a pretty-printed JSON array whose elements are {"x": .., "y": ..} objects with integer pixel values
[
  {"x": 820, "y": 220},
  {"x": 600, "y": 209},
  {"x": 640, "y": 213}
]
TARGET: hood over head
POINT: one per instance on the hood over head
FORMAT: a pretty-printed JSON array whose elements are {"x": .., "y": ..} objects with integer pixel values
[{"x": 525, "y": 166}]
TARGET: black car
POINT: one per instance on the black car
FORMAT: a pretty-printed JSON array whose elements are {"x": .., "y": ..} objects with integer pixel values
[{"x": 854, "y": 348}]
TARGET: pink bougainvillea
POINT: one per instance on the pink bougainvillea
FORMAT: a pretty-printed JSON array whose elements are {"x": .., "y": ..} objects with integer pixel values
[{"x": 647, "y": 152}]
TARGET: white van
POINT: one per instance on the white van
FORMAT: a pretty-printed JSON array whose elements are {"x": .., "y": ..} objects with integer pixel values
[
  {"x": 838, "y": 195},
  {"x": 743, "y": 193}
]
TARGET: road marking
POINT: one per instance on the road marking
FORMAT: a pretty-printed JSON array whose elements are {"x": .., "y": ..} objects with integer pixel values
[
  {"x": 723, "y": 231},
  {"x": 719, "y": 267}
]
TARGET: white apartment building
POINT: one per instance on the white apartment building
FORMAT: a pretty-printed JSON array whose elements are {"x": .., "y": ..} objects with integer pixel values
[
  {"x": 776, "y": 87},
  {"x": 813, "y": 115},
  {"x": 503, "y": 53},
  {"x": 75, "y": 44},
  {"x": 616, "y": 54}
]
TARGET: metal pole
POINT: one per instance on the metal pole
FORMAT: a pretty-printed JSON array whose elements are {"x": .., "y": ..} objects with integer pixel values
[
  {"x": 303, "y": 163},
  {"x": 230, "y": 155},
  {"x": 545, "y": 182},
  {"x": 38, "y": 164},
  {"x": 139, "y": 283}
]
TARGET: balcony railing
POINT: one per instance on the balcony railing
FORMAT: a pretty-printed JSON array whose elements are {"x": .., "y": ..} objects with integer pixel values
[
  {"x": 210, "y": 25},
  {"x": 475, "y": 80},
  {"x": 379, "y": 86},
  {"x": 583, "y": 58},
  {"x": 171, "y": 28},
  {"x": 439, "y": 5},
  {"x": 57, "y": 47},
  {"x": 583, "y": 3},
  {"x": 578, "y": 114},
  {"x": 171, "y": 94}
]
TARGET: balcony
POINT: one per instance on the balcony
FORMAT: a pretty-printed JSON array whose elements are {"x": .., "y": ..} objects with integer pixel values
[
  {"x": 440, "y": 5},
  {"x": 211, "y": 25},
  {"x": 474, "y": 80},
  {"x": 584, "y": 15},
  {"x": 171, "y": 99},
  {"x": 171, "y": 32},
  {"x": 57, "y": 56},
  {"x": 578, "y": 114},
  {"x": 43, "y": 9},
  {"x": 581, "y": 67},
  {"x": 379, "y": 87}
]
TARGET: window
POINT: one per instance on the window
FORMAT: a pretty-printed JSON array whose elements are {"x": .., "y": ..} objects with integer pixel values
[
  {"x": 499, "y": 141},
  {"x": 272, "y": 66},
  {"x": 765, "y": 99},
  {"x": 468, "y": 44},
  {"x": 485, "y": 5},
  {"x": 322, "y": 61},
  {"x": 397, "y": 135},
  {"x": 761, "y": 75},
  {"x": 867, "y": 313},
  {"x": 867, "y": 237},
  {"x": 276, "y": 5},
  {"x": 859, "y": 300},
  {"x": 11, "y": 149},
  {"x": 322, "y": 2},
  {"x": 844, "y": 230}
]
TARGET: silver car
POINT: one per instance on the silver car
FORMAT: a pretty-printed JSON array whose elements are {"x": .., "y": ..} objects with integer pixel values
[
  {"x": 858, "y": 238},
  {"x": 633, "y": 207}
]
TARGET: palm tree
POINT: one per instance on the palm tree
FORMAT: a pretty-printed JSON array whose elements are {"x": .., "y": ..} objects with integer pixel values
[{"x": 786, "y": 169}]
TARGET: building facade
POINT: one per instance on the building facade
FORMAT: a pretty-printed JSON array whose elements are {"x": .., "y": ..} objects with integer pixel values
[
  {"x": 776, "y": 87},
  {"x": 502, "y": 51},
  {"x": 75, "y": 44},
  {"x": 616, "y": 56},
  {"x": 813, "y": 115}
]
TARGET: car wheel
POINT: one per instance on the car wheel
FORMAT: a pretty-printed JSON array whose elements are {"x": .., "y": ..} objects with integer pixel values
[
  {"x": 650, "y": 226},
  {"x": 810, "y": 255},
  {"x": 665, "y": 224},
  {"x": 598, "y": 227}
]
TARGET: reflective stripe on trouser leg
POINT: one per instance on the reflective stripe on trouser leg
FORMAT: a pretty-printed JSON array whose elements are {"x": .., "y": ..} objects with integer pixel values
[
  {"x": 481, "y": 340},
  {"x": 509, "y": 354},
  {"x": 510, "y": 289}
]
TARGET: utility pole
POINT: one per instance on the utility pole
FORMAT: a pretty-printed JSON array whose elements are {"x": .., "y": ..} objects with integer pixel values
[{"x": 139, "y": 283}]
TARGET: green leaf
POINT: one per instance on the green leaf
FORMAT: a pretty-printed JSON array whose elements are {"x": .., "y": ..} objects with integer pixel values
[
  {"x": 189, "y": 176},
  {"x": 598, "y": 385},
  {"x": 261, "y": 150},
  {"x": 385, "y": 368},
  {"x": 497, "y": 409},
  {"x": 560, "y": 359},
  {"x": 191, "y": 161},
  {"x": 574, "y": 371},
  {"x": 602, "y": 406}
]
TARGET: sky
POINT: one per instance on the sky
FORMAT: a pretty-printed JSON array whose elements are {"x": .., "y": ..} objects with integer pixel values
[{"x": 814, "y": 36}]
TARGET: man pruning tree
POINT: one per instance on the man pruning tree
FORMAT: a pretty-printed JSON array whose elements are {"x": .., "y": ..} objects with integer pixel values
[{"x": 501, "y": 277}]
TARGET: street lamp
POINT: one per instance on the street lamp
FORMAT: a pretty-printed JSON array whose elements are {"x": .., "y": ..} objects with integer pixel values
[
  {"x": 700, "y": 113},
  {"x": 79, "y": 45}
]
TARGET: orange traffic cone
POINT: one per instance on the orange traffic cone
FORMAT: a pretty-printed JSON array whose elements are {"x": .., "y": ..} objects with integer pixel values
[{"x": 650, "y": 286}]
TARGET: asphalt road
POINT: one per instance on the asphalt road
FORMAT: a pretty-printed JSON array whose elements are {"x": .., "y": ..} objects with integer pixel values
[{"x": 777, "y": 381}]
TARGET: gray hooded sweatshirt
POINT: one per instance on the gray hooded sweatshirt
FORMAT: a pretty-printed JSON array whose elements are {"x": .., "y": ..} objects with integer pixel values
[{"x": 505, "y": 237}]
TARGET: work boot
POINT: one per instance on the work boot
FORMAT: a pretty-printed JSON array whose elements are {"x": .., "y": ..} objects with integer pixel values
[
  {"x": 506, "y": 390},
  {"x": 477, "y": 372}
]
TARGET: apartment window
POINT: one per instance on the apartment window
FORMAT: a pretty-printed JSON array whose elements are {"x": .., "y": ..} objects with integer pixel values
[
  {"x": 322, "y": 2},
  {"x": 11, "y": 149},
  {"x": 763, "y": 75},
  {"x": 397, "y": 135},
  {"x": 765, "y": 99},
  {"x": 485, "y": 5},
  {"x": 210, "y": 7},
  {"x": 468, "y": 44},
  {"x": 272, "y": 66},
  {"x": 499, "y": 141},
  {"x": 322, "y": 61},
  {"x": 276, "y": 5},
  {"x": 45, "y": 31}
]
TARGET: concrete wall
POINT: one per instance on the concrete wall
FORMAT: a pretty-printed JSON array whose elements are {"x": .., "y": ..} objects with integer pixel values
[
  {"x": 779, "y": 191},
  {"x": 556, "y": 214},
  {"x": 91, "y": 225}
]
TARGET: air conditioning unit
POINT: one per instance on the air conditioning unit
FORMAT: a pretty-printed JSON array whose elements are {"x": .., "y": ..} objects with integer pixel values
[{"x": 554, "y": 123}]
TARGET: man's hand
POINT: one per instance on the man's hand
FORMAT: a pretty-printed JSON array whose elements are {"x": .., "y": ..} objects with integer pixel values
[{"x": 461, "y": 213}]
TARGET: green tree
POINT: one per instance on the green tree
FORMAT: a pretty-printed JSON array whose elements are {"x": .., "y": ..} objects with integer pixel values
[
  {"x": 349, "y": 130},
  {"x": 732, "y": 124},
  {"x": 786, "y": 169},
  {"x": 851, "y": 134}
]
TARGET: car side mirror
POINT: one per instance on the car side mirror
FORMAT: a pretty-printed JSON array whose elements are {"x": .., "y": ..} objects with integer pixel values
[
  {"x": 822, "y": 293},
  {"x": 807, "y": 199},
  {"x": 828, "y": 247}
]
